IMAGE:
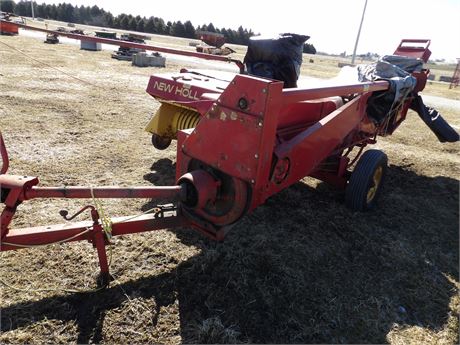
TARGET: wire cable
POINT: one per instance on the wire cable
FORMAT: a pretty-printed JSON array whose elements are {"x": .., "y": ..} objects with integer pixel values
[{"x": 49, "y": 66}]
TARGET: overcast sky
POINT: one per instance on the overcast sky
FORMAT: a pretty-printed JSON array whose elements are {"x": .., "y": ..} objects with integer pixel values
[{"x": 331, "y": 24}]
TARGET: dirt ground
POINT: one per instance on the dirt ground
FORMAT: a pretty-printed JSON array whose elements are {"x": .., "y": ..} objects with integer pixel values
[{"x": 302, "y": 268}]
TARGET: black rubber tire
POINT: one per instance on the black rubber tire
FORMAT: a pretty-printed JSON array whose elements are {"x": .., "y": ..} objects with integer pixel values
[
  {"x": 160, "y": 143},
  {"x": 363, "y": 179}
]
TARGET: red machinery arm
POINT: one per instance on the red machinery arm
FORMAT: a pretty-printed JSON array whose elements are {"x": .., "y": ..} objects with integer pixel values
[
  {"x": 162, "y": 218},
  {"x": 170, "y": 192},
  {"x": 15, "y": 189},
  {"x": 194, "y": 189},
  {"x": 298, "y": 95}
]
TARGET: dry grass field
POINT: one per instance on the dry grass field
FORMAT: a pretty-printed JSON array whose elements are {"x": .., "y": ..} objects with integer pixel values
[{"x": 302, "y": 268}]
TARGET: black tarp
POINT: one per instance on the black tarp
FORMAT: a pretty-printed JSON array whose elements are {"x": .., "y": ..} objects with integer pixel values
[{"x": 277, "y": 58}]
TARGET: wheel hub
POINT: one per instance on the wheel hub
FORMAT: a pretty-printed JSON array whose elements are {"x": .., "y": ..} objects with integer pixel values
[
  {"x": 376, "y": 179},
  {"x": 215, "y": 196}
]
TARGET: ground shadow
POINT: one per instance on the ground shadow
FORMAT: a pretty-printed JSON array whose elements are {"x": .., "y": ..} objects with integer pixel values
[
  {"x": 300, "y": 269},
  {"x": 162, "y": 173}
]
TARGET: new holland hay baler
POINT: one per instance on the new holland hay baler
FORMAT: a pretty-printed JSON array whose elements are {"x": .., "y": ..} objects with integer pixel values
[{"x": 252, "y": 138}]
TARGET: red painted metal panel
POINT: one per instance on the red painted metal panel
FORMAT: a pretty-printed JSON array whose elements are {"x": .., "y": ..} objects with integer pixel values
[
  {"x": 416, "y": 48},
  {"x": 244, "y": 115},
  {"x": 267, "y": 143},
  {"x": 184, "y": 88},
  {"x": 307, "y": 112},
  {"x": 235, "y": 154},
  {"x": 310, "y": 147},
  {"x": 7, "y": 27}
]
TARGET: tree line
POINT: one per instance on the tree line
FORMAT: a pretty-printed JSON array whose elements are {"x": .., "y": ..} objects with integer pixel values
[{"x": 93, "y": 15}]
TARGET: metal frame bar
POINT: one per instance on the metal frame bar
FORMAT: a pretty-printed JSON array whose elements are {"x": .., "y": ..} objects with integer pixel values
[
  {"x": 92, "y": 232},
  {"x": 297, "y": 95},
  {"x": 128, "y": 44},
  {"x": 171, "y": 192},
  {"x": 4, "y": 155},
  {"x": 71, "y": 232}
]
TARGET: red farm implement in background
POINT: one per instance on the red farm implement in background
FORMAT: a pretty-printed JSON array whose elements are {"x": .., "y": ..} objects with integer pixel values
[
  {"x": 212, "y": 38},
  {"x": 8, "y": 28},
  {"x": 7, "y": 25},
  {"x": 213, "y": 43},
  {"x": 278, "y": 136}
]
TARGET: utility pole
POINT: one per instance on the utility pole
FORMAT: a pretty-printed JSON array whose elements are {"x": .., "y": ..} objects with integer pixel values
[
  {"x": 359, "y": 32},
  {"x": 32, "y": 5}
]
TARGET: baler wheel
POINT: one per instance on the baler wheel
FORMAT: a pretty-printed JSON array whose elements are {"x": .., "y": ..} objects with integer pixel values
[
  {"x": 160, "y": 143},
  {"x": 366, "y": 181}
]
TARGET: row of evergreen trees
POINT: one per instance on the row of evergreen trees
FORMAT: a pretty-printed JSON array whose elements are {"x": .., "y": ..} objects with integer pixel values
[
  {"x": 93, "y": 15},
  {"x": 99, "y": 17}
]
